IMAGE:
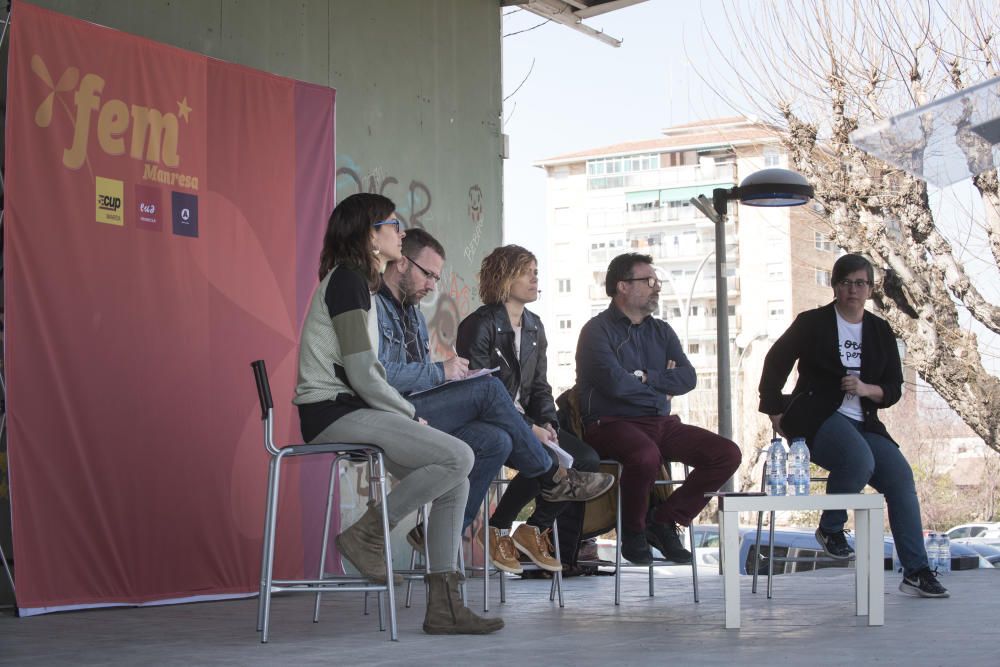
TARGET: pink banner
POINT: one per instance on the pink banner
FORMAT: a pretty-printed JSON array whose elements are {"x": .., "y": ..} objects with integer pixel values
[{"x": 164, "y": 214}]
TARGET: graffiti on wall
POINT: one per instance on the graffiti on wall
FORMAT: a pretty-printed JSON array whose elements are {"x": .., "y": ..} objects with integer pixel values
[{"x": 413, "y": 202}]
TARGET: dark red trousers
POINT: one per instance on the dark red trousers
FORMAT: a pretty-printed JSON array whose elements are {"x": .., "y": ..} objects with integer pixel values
[{"x": 640, "y": 444}]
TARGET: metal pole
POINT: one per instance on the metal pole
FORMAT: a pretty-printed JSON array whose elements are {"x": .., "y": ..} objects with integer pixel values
[{"x": 722, "y": 331}]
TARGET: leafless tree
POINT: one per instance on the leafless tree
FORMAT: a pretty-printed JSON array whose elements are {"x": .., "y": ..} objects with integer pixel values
[{"x": 821, "y": 69}]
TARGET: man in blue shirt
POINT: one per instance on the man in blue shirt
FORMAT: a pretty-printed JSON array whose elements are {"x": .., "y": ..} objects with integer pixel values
[
  {"x": 479, "y": 411},
  {"x": 628, "y": 367}
]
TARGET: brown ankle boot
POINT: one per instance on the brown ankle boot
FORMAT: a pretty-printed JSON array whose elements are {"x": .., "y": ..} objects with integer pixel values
[
  {"x": 363, "y": 545},
  {"x": 446, "y": 615}
]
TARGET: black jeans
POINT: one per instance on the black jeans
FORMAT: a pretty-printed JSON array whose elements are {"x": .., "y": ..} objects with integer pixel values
[{"x": 522, "y": 490}]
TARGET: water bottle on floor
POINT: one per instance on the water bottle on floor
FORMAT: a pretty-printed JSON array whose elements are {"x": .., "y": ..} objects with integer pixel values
[
  {"x": 944, "y": 553},
  {"x": 798, "y": 468},
  {"x": 777, "y": 468},
  {"x": 931, "y": 546}
]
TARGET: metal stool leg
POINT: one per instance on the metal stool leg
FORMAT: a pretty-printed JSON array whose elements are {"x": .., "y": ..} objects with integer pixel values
[
  {"x": 694, "y": 553},
  {"x": 267, "y": 541},
  {"x": 557, "y": 576},
  {"x": 618, "y": 541},
  {"x": 378, "y": 476},
  {"x": 326, "y": 534},
  {"x": 269, "y": 547},
  {"x": 760, "y": 524}
]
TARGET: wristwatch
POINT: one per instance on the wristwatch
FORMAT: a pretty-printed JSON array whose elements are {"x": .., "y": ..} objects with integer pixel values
[{"x": 640, "y": 374}]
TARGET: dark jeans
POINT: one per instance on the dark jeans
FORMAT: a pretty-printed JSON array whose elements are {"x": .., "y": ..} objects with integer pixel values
[
  {"x": 522, "y": 490},
  {"x": 481, "y": 413},
  {"x": 856, "y": 457},
  {"x": 641, "y": 444}
]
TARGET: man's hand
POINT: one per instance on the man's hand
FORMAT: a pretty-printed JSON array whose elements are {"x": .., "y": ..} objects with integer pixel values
[
  {"x": 421, "y": 420},
  {"x": 854, "y": 385},
  {"x": 456, "y": 368},
  {"x": 776, "y": 423},
  {"x": 552, "y": 433}
]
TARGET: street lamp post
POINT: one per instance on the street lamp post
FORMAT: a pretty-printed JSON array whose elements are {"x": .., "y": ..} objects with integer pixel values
[{"x": 768, "y": 187}]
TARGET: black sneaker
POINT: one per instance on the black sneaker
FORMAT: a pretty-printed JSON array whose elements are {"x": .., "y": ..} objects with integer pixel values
[
  {"x": 923, "y": 584},
  {"x": 635, "y": 549},
  {"x": 835, "y": 545},
  {"x": 668, "y": 542}
]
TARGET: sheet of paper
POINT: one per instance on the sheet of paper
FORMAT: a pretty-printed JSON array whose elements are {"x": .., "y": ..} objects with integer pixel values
[{"x": 479, "y": 372}]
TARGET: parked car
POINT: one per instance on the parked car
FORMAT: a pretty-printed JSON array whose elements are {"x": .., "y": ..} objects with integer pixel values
[
  {"x": 983, "y": 532},
  {"x": 796, "y": 550},
  {"x": 987, "y": 552}
]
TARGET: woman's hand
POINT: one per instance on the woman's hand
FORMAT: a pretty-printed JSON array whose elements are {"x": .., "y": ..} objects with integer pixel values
[
  {"x": 421, "y": 420},
  {"x": 541, "y": 433},
  {"x": 854, "y": 385}
]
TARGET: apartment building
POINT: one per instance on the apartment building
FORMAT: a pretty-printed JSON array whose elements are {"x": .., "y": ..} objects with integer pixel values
[{"x": 636, "y": 197}]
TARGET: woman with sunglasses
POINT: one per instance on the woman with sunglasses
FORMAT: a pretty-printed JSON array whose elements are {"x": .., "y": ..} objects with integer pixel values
[
  {"x": 849, "y": 368},
  {"x": 342, "y": 396},
  {"x": 504, "y": 333}
]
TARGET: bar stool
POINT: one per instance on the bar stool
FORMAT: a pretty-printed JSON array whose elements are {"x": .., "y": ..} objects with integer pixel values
[{"x": 372, "y": 456}]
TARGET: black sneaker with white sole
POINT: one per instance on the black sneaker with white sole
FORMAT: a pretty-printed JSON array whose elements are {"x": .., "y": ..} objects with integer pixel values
[
  {"x": 923, "y": 584},
  {"x": 835, "y": 544}
]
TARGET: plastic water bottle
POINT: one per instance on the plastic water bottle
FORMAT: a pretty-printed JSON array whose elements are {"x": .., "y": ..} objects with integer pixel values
[
  {"x": 798, "y": 468},
  {"x": 944, "y": 553},
  {"x": 777, "y": 468},
  {"x": 931, "y": 546}
]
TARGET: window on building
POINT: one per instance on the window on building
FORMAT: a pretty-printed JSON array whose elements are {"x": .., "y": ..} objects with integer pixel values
[
  {"x": 776, "y": 271},
  {"x": 823, "y": 243},
  {"x": 615, "y": 172},
  {"x": 772, "y": 158},
  {"x": 775, "y": 309},
  {"x": 822, "y": 277},
  {"x": 693, "y": 348},
  {"x": 565, "y": 323},
  {"x": 675, "y": 312},
  {"x": 564, "y": 358},
  {"x": 564, "y": 285},
  {"x": 562, "y": 216},
  {"x": 694, "y": 310},
  {"x": 563, "y": 252}
]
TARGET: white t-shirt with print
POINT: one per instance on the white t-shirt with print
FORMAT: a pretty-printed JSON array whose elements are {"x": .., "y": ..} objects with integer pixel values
[{"x": 849, "y": 335}]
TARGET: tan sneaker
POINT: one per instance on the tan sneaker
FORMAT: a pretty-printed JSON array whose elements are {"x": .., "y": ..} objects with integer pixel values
[
  {"x": 503, "y": 553},
  {"x": 537, "y": 546}
]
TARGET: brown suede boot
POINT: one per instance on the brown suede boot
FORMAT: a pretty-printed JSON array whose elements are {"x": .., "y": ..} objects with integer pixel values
[
  {"x": 363, "y": 545},
  {"x": 446, "y": 615}
]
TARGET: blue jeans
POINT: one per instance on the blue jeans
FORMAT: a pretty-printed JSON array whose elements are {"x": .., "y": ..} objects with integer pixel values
[
  {"x": 856, "y": 457},
  {"x": 481, "y": 413}
]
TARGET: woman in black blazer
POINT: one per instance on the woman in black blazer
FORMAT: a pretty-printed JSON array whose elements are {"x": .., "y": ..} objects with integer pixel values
[{"x": 849, "y": 368}]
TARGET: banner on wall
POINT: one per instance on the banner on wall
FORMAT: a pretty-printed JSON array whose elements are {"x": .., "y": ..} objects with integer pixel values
[{"x": 164, "y": 217}]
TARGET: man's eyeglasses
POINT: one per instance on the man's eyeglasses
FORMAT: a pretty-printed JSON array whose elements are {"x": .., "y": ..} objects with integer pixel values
[
  {"x": 652, "y": 281},
  {"x": 391, "y": 221},
  {"x": 846, "y": 283},
  {"x": 427, "y": 274}
]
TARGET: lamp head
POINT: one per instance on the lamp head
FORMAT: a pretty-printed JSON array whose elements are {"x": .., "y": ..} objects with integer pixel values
[{"x": 774, "y": 187}]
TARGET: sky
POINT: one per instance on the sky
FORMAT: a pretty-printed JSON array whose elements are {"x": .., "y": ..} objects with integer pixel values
[{"x": 582, "y": 93}]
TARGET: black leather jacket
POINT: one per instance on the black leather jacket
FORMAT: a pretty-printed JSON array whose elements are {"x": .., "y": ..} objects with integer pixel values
[{"x": 486, "y": 339}]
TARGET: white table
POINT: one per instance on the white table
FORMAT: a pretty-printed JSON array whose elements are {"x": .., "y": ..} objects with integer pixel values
[{"x": 868, "y": 543}]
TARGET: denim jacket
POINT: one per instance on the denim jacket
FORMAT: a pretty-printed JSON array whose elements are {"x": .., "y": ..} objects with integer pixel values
[{"x": 405, "y": 377}]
